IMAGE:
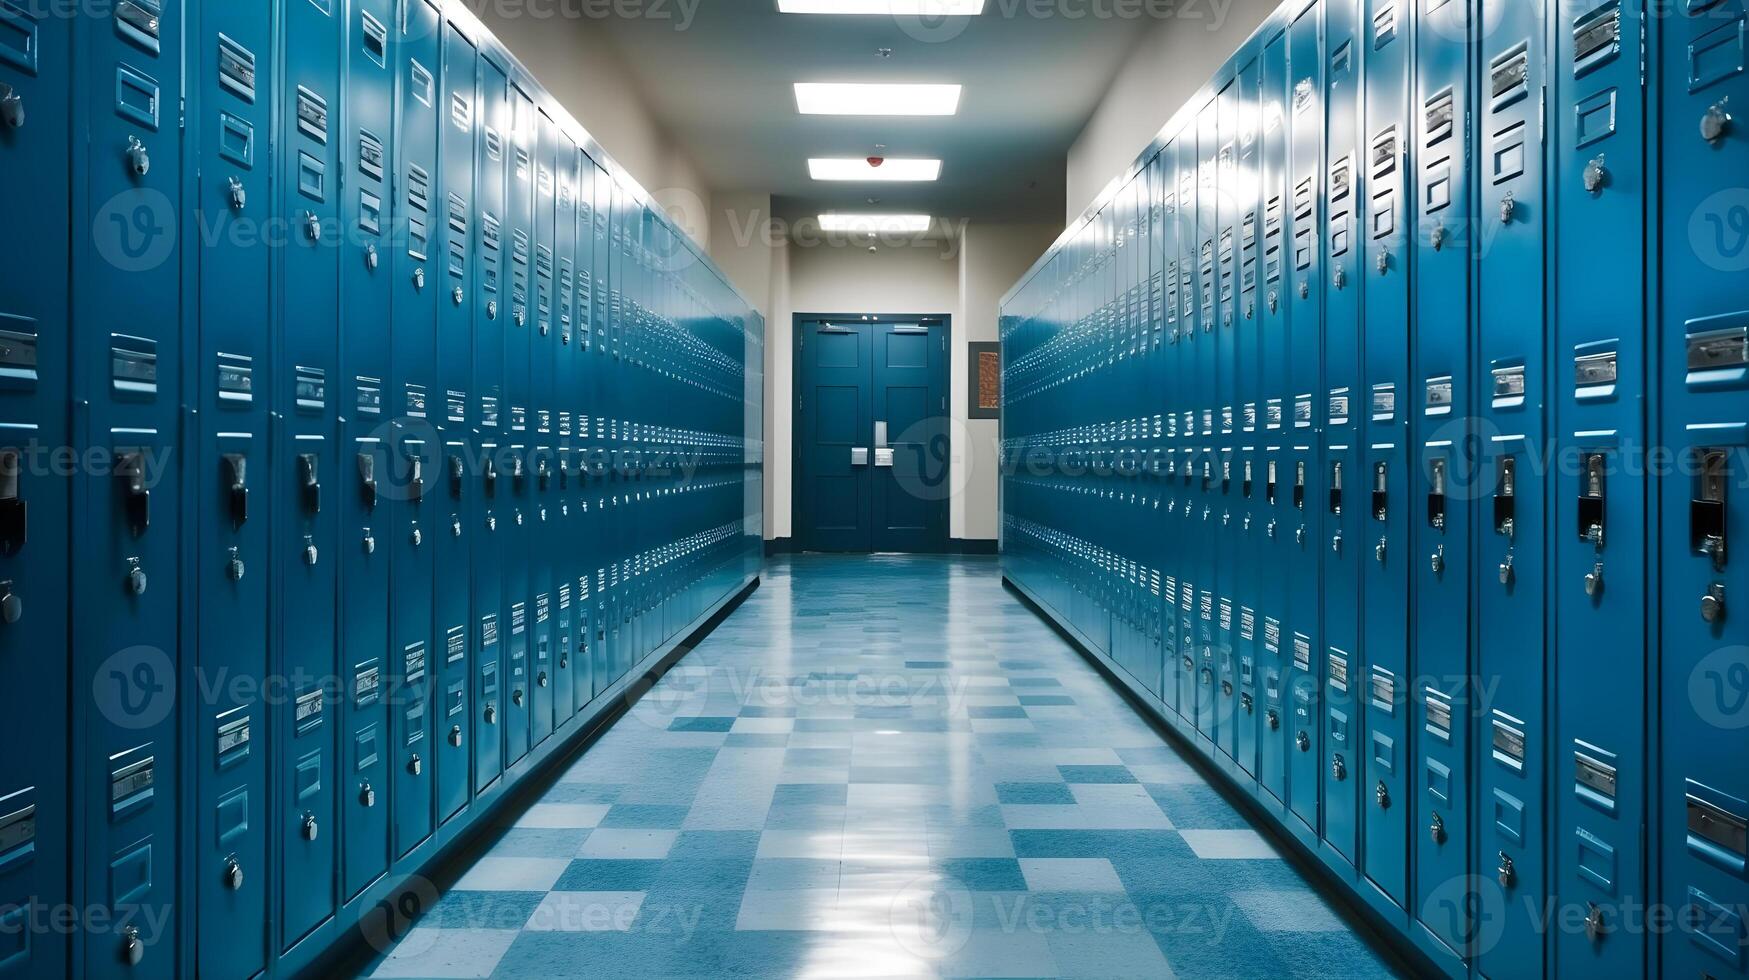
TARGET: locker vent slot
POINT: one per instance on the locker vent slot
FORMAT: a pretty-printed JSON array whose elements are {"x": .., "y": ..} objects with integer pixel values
[
  {"x": 1594, "y": 778},
  {"x": 419, "y": 187},
  {"x": 370, "y": 212},
  {"x": 1441, "y": 113},
  {"x": 312, "y": 115},
  {"x": 310, "y": 387},
  {"x": 139, "y": 22},
  {"x": 370, "y": 155},
  {"x": 1508, "y": 743},
  {"x": 1384, "y": 26},
  {"x": 1596, "y": 38},
  {"x": 1438, "y": 715},
  {"x": 1716, "y": 832},
  {"x": 419, "y": 82},
  {"x": 494, "y": 144},
  {"x": 1717, "y": 55},
  {"x": 18, "y": 38},
  {"x": 1509, "y": 77},
  {"x": 1595, "y": 370},
  {"x": 130, "y": 786},
  {"x": 1341, "y": 181},
  {"x": 308, "y": 712},
  {"x": 375, "y": 38},
  {"x": 133, "y": 365},
  {"x": 1305, "y": 94},
  {"x": 1338, "y": 670},
  {"x": 136, "y": 96},
  {"x": 237, "y": 69},
  {"x": 18, "y": 352},
  {"x": 455, "y": 644},
  {"x": 461, "y": 111},
  {"x": 17, "y": 833},
  {"x": 1714, "y": 350},
  {"x": 231, "y": 738},
  {"x": 367, "y": 683},
  {"x": 413, "y": 659}
]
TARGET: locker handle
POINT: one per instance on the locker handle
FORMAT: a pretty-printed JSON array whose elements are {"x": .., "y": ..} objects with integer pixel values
[
  {"x": 11, "y": 107},
  {"x": 139, "y": 161},
  {"x": 236, "y": 468},
  {"x": 14, "y": 511},
  {"x": 130, "y": 467},
  {"x": 415, "y": 479},
  {"x": 309, "y": 482}
]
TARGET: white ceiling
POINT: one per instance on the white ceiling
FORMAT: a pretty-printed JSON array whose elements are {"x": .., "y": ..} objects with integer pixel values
[{"x": 721, "y": 85}]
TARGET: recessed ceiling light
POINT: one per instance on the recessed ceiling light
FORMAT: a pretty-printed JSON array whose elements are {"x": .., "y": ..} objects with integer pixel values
[
  {"x": 857, "y": 99},
  {"x": 847, "y": 168},
  {"x": 894, "y": 8},
  {"x": 876, "y": 224}
]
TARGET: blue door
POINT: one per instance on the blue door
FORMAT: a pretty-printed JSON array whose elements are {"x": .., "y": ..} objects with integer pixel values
[{"x": 872, "y": 460}]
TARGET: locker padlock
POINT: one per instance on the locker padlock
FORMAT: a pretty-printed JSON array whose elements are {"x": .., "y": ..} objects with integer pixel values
[
  {"x": 1594, "y": 925},
  {"x": 1246, "y": 702},
  {"x": 11, "y": 107},
  {"x": 233, "y": 874},
  {"x": 543, "y": 515},
  {"x": 1303, "y": 742},
  {"x": 455, "y": 295},
  {"x": 455, "y": 527},
  {"x": 419, "y": 278},
  {"x": 1273, "y": 717},
  {"x": 132, "y": 949},
  {"x": 367, "y": 795},
  {"x": 1439, "y": 238},
  {"x": 521, "y": 317},
  {"x": 492, "y": 309},
  {"x": 1226, "y": 689},
  {"x": 1712, "y": 605},
  {"x": 415, "y": 479},
  {"x": 310, "y": 553},
  {"x": 516, "y": 697},
  {"x": 1251, "y": 310},
  {"x": 1226, "y": 518},
  {"x": 456, "y": 472},
  {"x": 542, "y": 476},
  {"x": 1305, "y": 289},
  {"x": 312, "y": 226},
  {"x": 417, "y": 537},
  {"x": 238, "y": 196},
  {"x": 1595, "y": 173},
  {"x": 370, "y": 542},
  {"x": 1594, "y": 581},
  {"x": 1716, "y": 124},
  {"x": 491, "y": 522},
  {"x": 14, "y": 511},
  {"x": 136, "y": 578},
  {"x": 1338, "y": 768},
  {"x": 1506, "y": 873},
  {"x": 235, "y": 467},
  {"x": 519, "y": 517},
  {"x": 416, "y": 765},
  {"x": 1508, "y": 208},
  {"x": 1506, "y": 571},
  {"x": 1379, "y": 551},
  {"x": 541, "y": 679},
  {"x": 370, "y": 257},
  {"x": 1384, "y": 262},
  {"x": 1436, "y": 830},
  {"x": 139, "y": 161},
  {"x": 455, "y": 736},
  {"x": 311, "y": 828},
  {"x": 310, "y": 481},
  {"x": 1274, "y": 301},
  {"x": 1189, "y": 665},
  {"x": 488, "y": 472},
  {"x": 1341, "y": 278},
  {"x": 1382, "y": 796},
  {"x": 1336, "y": 543},
  {"x": 1300, "y": 535},
  {"x": 1438, "y": 560},
  {"x": 1270, "y": 530},
  {"x": 11, "y": 607},
  {"x": 234, "y": 567},
  {"x": 367, "y": 479}
]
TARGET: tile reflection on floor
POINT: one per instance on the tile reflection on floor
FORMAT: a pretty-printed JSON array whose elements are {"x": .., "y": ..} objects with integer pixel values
[{"x": 881, "y": 767}]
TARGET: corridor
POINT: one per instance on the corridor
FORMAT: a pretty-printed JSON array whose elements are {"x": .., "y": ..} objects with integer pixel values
[{"x": 881, "y": 767}]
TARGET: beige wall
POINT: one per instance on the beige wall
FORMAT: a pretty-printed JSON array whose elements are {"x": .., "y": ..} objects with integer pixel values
[
  {"x": 1169, "y": 63},
  {"x": 576, "y": 63}
]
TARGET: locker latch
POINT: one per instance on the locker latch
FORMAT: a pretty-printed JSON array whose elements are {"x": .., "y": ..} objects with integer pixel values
[
  {"x": 236, "y": 476},
  {"x": 456, "y": 474},
  {"x": 1381, "y": 491},
  {"x": 1299, "y": 485},
  {"x": 516, "y": 471},
  {"x": 415, "y": 478},
  {"x": 139, "y": 161},
  {"x": 1269, "y": 483},
  {"x": 542, "y": 476},
  {"x": 14, "y": 513},
  {"x": 1716, "y": 124},
  {"x": 309, "y": 482},
  {"x": 11, "y": 107},
  {"x": 1436, "y": 496},
  {"x": 368, "y": 480},
  {"x": 1591, "y": 499},
  {"x": 1505, "y": 496},
  {"x": 130, "y": 468},
  {"x": 237, "y": 195},
  {"x": 489, "y": 472},
  {"x": 1336, "y": 488},
  {"x": 1245, "y": 484},
  {"x": 1706, "y": 512}
]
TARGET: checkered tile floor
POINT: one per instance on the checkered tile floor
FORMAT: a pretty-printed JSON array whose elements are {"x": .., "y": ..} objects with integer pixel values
[{"x": 882, "y": 767}]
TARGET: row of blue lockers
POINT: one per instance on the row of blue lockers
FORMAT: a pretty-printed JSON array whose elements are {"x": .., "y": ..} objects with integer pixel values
[
  {"x": 1386, "y": 427},
  {"x": 365, "y": 434}
]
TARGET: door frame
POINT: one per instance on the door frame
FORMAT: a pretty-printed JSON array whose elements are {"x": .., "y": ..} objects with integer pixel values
[{"x": 798, "y": 511}]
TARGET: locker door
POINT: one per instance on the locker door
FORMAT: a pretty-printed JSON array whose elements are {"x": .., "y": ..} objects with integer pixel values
[
  {"x": 564, "y": 400},
  {"x": 493, "y": 507},
  {"x": 312, "y": 493},
  {"x": 35, "y": 131},
  {"x": 543, "y": 517},
  {"x": 459, "y": 504},
  {"x": 1207, "y": 538},
  {"x": 1511, "y": 557},
  {"x": 601, "y": 394},
  {"x": 1704, "y": 796},
  {"x": 1386, "y": 32},
  {"x": 1190, "y": 461},
  {"x": 1246, "y": 530},
  {"x": 236, "y": 377},
  {"x": 583, "y": 675},
  {"x": 1167, "y": 378},
  {"x": 1305, "y": 476},
  {"x": 517, "y": 532},
  {"x": 1273, "y": 489},
  {"x": 127, "y": 364},
  {"x": 1345, "y": 432},
  {"x": 418, "y": 443},
  {"x": 1153, "y": 375},
  {"x": 370, "y": 495},
  {"x": 1600, "y": 513},
  {"x": 1447, "y": 478},
  {"x": 1228, "y": 560}
]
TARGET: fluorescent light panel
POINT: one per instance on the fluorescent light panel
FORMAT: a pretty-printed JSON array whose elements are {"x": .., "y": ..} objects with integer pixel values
[
  {"x": 892, "y": 8},
  {"x": 860, "y": 99},
  {"x": 847, "y": 168},
  {"x": 876, "y": 224}
]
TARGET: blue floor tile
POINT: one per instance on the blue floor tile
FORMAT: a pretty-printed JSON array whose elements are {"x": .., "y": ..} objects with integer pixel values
[{"x": 1041, "y": 793}]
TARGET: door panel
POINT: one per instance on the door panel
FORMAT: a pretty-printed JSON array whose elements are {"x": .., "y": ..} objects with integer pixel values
[
  {"x": 837, "y": 410},
  {"x": 909, "y": 497}
]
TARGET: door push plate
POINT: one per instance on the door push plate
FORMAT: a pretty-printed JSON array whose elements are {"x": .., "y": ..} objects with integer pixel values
[
  {"x": 883, "y": 457},
  {"x": 859, "y": 456}
]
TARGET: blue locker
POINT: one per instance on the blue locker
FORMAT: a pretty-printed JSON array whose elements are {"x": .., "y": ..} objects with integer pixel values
[
  {"x": 460, "y": 504},
  {"x": 1703, "y": 797},
  {"x": 1156, "y": 375},
  {"x": 1227, "y": 561},
  {"x": 602, "y": 387},
  {"x": 369, "y": 491},
  {"x": 1387, "y": 32},
  {"x": 236, "y": 376},
  {"x": 310, "y": 495},
  {"x": 565, "y": 401},
  {"x": 35, "y": 131},
  {"x": 1510, "y": 613},
  {"x": 517, "y": 533},
  {"x": 583, "y": 398},
  {"x": 1302, "y": 632},
  {"x": 417, "y": 443},
  {"x": 1190, "y": 459},
  {"x": 1209, "y": 458},
  {"x": 1247, "y": 489},
  {"x": 543, "y": 355},
  {"x": 1167, "y": 379},
  {"x": 495, "y": 507},
  {"x": 1600, "y": 513},
  {"x": 1275, "y": 517},
  {"x": 127, "y": 362},
  {"x": 1346, "y": 487},
  {"x": 1446, "y": 481}
]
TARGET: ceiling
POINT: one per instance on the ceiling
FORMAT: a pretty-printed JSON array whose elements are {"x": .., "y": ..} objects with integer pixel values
[{"x": 721, "y": 87}]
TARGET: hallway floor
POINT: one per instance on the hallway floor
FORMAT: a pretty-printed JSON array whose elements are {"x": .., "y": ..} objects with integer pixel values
[{"x": 882, "y": 767}]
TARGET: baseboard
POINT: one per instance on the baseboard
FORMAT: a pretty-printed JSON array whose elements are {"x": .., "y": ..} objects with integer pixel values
[
  {"x": 780, "y": 546},
  {"x": 972, "y": 546}
]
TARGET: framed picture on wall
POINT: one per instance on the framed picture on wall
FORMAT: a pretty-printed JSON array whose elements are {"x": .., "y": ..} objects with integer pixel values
[{"x": 984, "y": 393}]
